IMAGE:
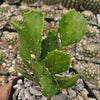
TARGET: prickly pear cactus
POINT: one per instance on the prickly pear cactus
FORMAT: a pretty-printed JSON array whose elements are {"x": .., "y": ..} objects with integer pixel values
[{"x": 55, "y": 61}]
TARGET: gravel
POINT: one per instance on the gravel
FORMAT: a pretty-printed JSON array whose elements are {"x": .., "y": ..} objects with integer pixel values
[{"x": 23, "y": 91}]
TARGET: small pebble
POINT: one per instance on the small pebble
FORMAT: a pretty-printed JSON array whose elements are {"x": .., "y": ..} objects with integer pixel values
[
  {"x": 19, "y": 81},
  {"x": 79, "y": 98},
  {"x": 21, "y": 94},
  {"x": 17, "y": 86},
  {"x": 32, "y": 98},
  {"x": 27, "y": 93},
  {"x": 84, "y": 91},
  {"x": 35, "y": 92},
  {"x": 98, "y": 19},
  {"x": 72, "y": 93}
]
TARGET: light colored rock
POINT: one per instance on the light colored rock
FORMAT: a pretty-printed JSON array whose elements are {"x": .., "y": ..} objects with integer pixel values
[
  {"x": 27, "y": 93},
  {"x": 79, "y": 81},
  {"x": 17, "y": 86},
  {"x": 75, "y": 99},
  {"x": 79, "y": 87},
  {"x": 37, "y": 88},
  {"x": 35, "y": 92},
  {"x": 71, "y": 93},
  {"x": 21, "y": 94},
  {"x": 14, "y": 97},
  {"x": 19, "y": 81},
  {"x": 17, "y": 92},
  {"x": 98, "y": 19},
  {"x": 11, "y": 69},
  {"x": 28, "y": 83},
  {"x": 24, "y": 98},
  {"x": 79, "y": 98},
  {"x": 59, "y": 97},
  {"x": 84, "y": 91},
  {"x": 32, "y": 98},
  {"x": 69, "y": 98}
]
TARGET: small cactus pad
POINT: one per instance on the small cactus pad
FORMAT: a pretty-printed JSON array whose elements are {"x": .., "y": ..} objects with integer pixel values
[
  {"x": 32, "y": 29},
  {"x": 24, "y": 52},
  {"x": 50, "y": 43},
  {"x": 72, "y": 27},
  {"x": 48, "y": 84},
  {"x": 57, "y": 62},
  {"x": 52, "y": 33},
  {"x": 67, "y": 82}
]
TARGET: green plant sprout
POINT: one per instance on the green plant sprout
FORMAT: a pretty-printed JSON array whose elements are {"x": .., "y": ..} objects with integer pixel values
[{"x": 49, "y": 59}]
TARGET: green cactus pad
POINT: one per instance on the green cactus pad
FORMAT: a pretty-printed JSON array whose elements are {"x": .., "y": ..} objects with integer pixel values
[
  {"x": 52, "y": 33},
  {"x": 24, "y": 51},
  {"x": 26, "y": 75},
  {"x": 67, "y": 82},
  {"x": 32, "y": 29},
  {"x": 50, "y": 43},
  {"x": 48, "y": 84},
  {"x": 72, "y": 28},
  {"x": 57, "y": 62}
]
